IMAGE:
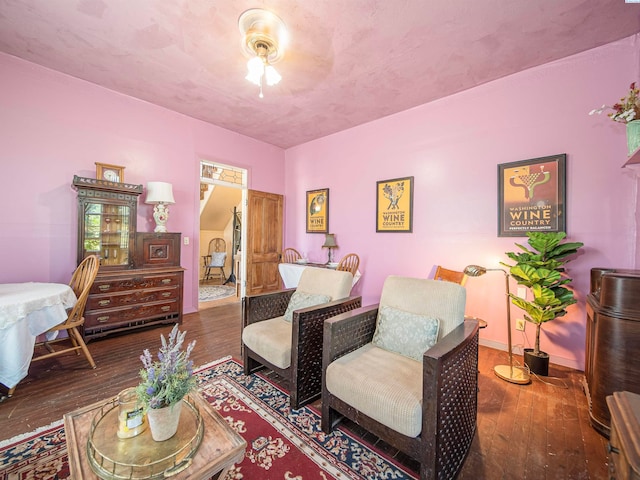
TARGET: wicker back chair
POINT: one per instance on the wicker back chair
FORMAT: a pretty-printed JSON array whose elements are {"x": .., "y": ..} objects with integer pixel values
[
  {"x": 293, "y": 349},
  {"x": 426, "y": 405},
  {"x": 290, "y": 255},
  {"x": 450, "y": 276},
  {"x": 81, "y": 283},
  {"x": 349, "y": 263}
]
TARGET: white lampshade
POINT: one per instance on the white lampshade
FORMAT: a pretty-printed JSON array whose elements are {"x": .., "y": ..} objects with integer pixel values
[{"x": 159, "y": 192}]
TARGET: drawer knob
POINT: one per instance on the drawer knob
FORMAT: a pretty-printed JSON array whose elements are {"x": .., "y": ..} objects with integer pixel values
[
  {"x": 612, "y": 449},
  {"x": 166, "y": 281},
  {"x": 166, "y": 308},
  {"x": 104, "y": 288},
  {"x": 103, "y": 303},
  {"x": 103, "y": 319},
  {"x": 166, "y": 294}
]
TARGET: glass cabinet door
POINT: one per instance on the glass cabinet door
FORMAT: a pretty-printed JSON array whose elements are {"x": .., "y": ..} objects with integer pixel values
[
  {"x": 107, "y": 233},
  {"x": 107, "y": 214}
]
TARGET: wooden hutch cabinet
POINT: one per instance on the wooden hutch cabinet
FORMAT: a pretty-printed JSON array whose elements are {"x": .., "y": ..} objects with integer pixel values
[{"x": 140, "y": 280}]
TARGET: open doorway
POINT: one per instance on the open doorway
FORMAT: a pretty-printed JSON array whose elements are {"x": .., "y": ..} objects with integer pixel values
[{"x": 222, "y": 195}]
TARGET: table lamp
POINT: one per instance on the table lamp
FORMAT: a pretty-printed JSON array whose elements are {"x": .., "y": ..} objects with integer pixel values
[
  {"x": 519, "y": 375},
  {"x": 330, "y": 243},
  {"x": 160, "y": 194}
]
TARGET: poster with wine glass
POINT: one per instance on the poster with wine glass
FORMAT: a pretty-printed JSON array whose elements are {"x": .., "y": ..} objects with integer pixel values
[
  {"x": 318, "y": 211},
  {"x": 531, "y": 196}
]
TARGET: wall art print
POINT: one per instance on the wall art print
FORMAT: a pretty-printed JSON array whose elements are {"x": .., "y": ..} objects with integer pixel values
[
  {"x": 394, "y": 205},
  {"x": 318, "y": 211},
  {"x": 531, "y": 196}
]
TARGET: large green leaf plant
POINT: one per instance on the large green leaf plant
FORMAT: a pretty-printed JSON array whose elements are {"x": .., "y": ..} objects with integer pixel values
[{"x": 541, "y": 268}]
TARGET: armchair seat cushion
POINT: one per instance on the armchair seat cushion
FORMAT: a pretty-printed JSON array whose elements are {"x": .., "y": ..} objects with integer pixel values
[
  {"x": 271, "y": 339},
  {"x": 383, "y": 385}
]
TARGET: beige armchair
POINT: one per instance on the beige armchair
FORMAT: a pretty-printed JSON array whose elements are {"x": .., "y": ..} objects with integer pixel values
[
  {"x": 407, "y": 371},
  {"x": 283, "y": 330}
]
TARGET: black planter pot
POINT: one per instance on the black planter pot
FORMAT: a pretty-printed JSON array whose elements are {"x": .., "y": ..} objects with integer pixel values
[{"x": 538, "y": 364}]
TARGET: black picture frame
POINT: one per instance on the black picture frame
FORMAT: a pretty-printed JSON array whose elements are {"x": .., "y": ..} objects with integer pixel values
[{"x": 532, "y": 196}]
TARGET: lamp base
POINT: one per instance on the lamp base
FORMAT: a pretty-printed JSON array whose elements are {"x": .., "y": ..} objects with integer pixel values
[{"x": 517, "y": 375}]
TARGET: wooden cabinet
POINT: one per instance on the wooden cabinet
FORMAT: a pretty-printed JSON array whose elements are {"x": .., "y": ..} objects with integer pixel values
[
  {"x": 624, "y": 442},
  {"x": 107, "y": 214},
  {"x": 140, "y": 281},
  {"x": 613, "y": 334},
  {"x": 122, "y": 300}
]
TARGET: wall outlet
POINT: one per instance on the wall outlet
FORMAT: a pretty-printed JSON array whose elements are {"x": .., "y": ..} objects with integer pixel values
[
  {"x": 520, "y": 323},
  {"x": 522, "y": 292},
  {"x": 186, "y": 240}
]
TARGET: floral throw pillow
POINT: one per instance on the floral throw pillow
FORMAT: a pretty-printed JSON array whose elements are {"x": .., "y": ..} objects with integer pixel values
[
  {"x": 303, "y": 300},
  {"x": 406, "y": 333}
]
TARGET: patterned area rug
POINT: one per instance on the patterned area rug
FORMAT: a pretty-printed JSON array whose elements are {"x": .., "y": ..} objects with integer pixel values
[
  {"x": 282, "y": 444},
  {"x": 207, "y": 293}
]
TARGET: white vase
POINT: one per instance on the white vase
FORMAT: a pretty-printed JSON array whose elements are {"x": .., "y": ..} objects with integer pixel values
[{"x": 163, "y": 422}]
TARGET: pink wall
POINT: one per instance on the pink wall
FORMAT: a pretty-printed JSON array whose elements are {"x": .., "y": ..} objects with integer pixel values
[
  {"x": 53, "y": 127},
  {"x": 452, "y": 147}
]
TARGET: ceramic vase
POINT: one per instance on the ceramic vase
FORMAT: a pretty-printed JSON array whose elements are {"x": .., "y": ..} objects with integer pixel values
[
  {"x": 163, "y": 422},
  {"x": 633, "y": 136}
]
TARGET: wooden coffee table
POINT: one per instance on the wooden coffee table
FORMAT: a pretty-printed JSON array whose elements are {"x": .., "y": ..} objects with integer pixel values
[{"x": 221, "y": 446}]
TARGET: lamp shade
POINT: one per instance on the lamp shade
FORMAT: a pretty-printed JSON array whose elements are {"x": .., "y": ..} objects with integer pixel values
[
  {"x": 330, "y": 241},
  {"x": 159, "y": 192}
]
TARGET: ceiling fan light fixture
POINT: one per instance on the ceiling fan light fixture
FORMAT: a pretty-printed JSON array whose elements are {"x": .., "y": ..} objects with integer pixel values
[{"x": 264, "y": 36}]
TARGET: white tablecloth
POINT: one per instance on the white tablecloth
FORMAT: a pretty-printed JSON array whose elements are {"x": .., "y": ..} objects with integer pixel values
[
  {"x": 26, "y": 311},
  {"x": 291, "y": 272}
]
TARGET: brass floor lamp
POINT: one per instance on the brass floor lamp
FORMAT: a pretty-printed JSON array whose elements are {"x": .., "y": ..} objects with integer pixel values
[{"x": 509, "y": 373}]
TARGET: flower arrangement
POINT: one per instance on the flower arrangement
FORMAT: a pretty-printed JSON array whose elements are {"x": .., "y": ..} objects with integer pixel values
[
  {"x": 625, "y": 111},
  {"x": 166, "y": 381}
]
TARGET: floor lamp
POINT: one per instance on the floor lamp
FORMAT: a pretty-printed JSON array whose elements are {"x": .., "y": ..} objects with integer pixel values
[{"x": 509, "y": 373}]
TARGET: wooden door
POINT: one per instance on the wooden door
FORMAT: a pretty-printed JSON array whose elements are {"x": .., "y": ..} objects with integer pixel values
[{"x": 264, "y": 241}]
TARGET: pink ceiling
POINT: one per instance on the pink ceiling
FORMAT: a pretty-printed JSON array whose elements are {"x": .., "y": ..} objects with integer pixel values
[{"x": 349, "y": 62}]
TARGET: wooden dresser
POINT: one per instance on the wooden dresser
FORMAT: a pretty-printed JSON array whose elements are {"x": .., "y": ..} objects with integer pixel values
[
  {"x": 124, "y": 299},
  {"x": 612, "y": 363},
  {"x": 140, "y": 280},
  {"x": 624, "y": 443}
]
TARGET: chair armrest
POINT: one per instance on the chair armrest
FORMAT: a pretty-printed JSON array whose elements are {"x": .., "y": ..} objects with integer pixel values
[
  {"x": 450, "y": 382},
  {"x": 256, "y": 308},
  {"x": 348, "y": 332}
]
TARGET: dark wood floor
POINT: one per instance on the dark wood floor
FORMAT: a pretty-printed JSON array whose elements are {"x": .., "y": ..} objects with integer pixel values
[{"x": 536, "y": 431}]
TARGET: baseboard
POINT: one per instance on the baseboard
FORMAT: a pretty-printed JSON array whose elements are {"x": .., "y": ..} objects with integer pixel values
[{"x": 518, "y": 350}]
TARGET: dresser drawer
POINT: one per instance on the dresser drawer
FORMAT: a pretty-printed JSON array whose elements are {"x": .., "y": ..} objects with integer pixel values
[
  {"x": 134, "y": 282},
  {"x": 130, "y": 298},
  {"x": 119, "y": 316}
]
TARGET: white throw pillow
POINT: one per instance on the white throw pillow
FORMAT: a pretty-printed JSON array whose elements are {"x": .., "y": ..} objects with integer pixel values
[
  {"x": 406, "y": 333},
  {"x": 301, "y": 300}
]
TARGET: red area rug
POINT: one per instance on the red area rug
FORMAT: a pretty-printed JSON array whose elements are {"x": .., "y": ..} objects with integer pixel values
[{"x": 282, "y": 444}]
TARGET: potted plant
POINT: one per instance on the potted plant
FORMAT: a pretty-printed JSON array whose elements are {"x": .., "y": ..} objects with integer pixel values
[
  {"x": 164, "y": 384},
  {"x": 627, "y": 111},
  {"x": 541, "y": 269}
]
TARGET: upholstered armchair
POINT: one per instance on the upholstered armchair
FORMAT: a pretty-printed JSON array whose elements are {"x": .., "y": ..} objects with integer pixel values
[
  {"x": 283, "y": 330},
  {"x": 407, "y": 371}
]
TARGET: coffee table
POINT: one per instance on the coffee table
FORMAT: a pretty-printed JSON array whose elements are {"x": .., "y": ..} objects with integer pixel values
[{"x": 221, "y": 446}]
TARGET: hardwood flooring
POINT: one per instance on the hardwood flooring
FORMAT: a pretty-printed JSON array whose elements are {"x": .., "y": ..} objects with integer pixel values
[{"x": 535, "y": 431}]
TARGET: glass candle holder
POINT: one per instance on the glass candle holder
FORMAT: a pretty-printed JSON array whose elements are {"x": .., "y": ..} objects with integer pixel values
[{"x": 131, "y": 418}]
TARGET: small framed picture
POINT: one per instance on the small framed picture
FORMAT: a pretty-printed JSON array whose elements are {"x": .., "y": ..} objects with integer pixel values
[
  {"x": 318, "y": 211},
  {"x": 531, "y": 196},
  {"x": 394, "y": 205},
  {"x": 110, "y": 173}
]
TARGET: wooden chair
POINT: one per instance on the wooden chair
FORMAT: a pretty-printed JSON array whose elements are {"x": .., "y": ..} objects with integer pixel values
[
  {"x": 293, "y": 349},
  {"x": 290, "y": 255},
  {"x": 81, "y": 283},
  {"x": 215, "y": 259},
  {"x": 450, "y": 276},
  {"x": 426, "y": 403},
  {"x": 349, "y": 263},
  {"x": 460, "y": 278}
]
